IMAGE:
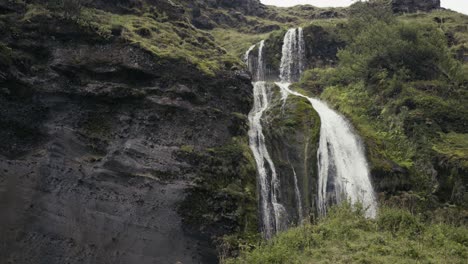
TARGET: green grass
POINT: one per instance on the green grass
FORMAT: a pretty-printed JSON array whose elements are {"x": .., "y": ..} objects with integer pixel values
[
  {"x": 166, "y": 39},
  {"x": 177, "y": 40},
  {"x": 35, "y": 10},
  {"x": 382, "y": 131},
  {"x": 453, "y": 146},
  {"x": 236, "y": 42},
  {"x": 346, "y": 236},
  {"x": 452, "y": 22},
  {"x": 225, "y": 192}
]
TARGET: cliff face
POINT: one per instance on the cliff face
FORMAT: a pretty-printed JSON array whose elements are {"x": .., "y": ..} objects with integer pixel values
[{"x": 92, "y": 131}]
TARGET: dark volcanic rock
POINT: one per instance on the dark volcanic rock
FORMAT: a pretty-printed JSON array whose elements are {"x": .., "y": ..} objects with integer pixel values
[
  {"x": 88, "y": 170},
  {"x": 266, "y": 28},
  {"x": 322, "y": 46},
  {"x": 411, "y": 6}
]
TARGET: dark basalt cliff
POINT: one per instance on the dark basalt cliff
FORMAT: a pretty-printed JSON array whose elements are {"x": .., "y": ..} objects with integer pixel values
[{"x": 90, "y": 142}]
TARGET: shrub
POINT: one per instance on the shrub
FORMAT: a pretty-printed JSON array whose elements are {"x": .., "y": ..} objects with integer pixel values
[
  {"x": 399, "y": 221},
  {"x": 398, "y": 52}
]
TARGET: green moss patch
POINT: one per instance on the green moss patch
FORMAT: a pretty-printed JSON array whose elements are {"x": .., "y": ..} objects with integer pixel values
[
  {"x": 223, "y": 202},
  {"x": 454, "y": 146}
]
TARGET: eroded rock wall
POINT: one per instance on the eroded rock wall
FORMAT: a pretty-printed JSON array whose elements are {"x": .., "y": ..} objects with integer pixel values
[{"x": 89, "y": 171}]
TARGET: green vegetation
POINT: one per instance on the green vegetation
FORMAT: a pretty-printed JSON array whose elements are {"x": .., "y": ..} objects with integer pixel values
[
  {"x": 384, "y": 135},
  {"x": 400, "y": 83},
  {"x": 401, "y": 80},
  {"x": 179, "y": 40},
  {"x": 453, "y": 24},
  {"x": 292, "y": 130},
  {"x": 167, "y": 40},
  {"x": 346, "y": 236},
  {"x": 454, "y": 146},
  {"x": 224, "y": 197},
  {"x": 235, "y": 42}
]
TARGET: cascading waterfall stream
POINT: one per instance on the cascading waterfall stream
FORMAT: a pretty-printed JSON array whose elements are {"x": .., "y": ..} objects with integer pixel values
[
  {"x": 343, "y": 169},
  {"x": 293, "y": 55},
  {"x": 298, "y": 195},
  {"x": 272, "y": 211},
  {"x": 343, "y": 172}
]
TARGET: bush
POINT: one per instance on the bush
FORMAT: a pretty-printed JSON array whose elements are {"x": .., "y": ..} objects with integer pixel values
[
  {"x": 363, "y": 14},
  {"x": 346, "y": 236},
  {"x": 398, "y": 52},
  {"x": 399, "y": 221}
]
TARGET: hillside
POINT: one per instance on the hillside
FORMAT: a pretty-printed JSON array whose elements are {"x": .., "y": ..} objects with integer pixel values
[{"x": 126, "y": 135}]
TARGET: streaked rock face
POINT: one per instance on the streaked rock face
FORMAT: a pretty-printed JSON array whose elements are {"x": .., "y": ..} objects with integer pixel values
[{"x": 89, "y": 171}]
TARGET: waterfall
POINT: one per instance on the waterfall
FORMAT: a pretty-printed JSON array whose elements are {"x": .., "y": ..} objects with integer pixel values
[
  {"x": 342, "y": 165},
  {"x": 293, "y": 55},
  {"x": 247, "y": 54},
  {"x": 246, "y": 57},
  {"x": 298, "y": 195},
  {"x": 343, "y": 172},
  {"x": 273, "y": 213}
]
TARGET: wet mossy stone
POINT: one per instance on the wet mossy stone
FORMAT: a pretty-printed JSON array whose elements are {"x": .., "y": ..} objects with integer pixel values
[{"x": 292, "y": 133}]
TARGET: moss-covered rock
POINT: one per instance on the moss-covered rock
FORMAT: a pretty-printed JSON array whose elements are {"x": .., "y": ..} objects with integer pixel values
[
  {"x": 223, "y": 203},
  {"x": 292, "y": 130}
]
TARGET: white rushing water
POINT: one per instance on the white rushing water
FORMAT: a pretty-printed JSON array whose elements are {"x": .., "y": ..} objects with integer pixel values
[
  {"x": 300, "y": 211},
  {"x": 293, "y": 55},
  {"x": 273, "y": 213},
  {"x": 343, "y": 169},
  {"x": 342, "y": 165}
]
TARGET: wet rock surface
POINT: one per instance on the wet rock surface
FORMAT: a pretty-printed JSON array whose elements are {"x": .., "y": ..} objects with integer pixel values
[{"x": 293, "y": 129}]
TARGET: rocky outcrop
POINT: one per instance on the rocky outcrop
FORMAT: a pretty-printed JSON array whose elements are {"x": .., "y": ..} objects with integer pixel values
[
  {"x": 91, "y": 131},
  {"x": 321, "y": 49},
  {"x": 249, "y": 7},
  {"x": 411, "y": 6},
  {"x": 292, "y": 130}
]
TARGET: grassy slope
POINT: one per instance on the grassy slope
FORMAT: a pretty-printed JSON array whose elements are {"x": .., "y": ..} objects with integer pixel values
[
  {"x": 431, "y": 108},
  {"x": 345, "y": 236},
  {"x": 236, "y": 40},
  {"x": 382, "y": 119},
  {"x": 167, "y": 39}
]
